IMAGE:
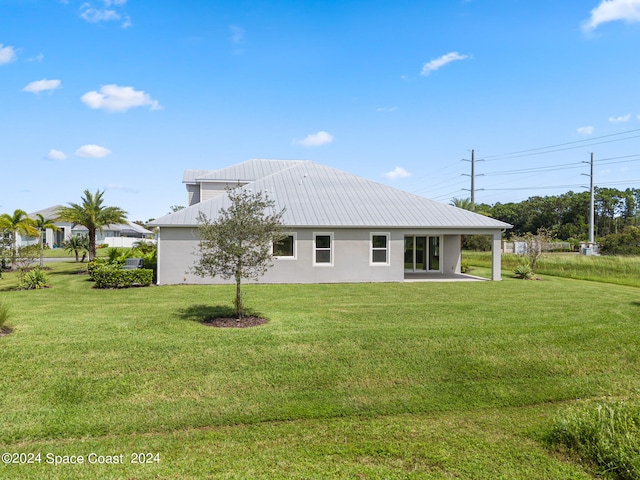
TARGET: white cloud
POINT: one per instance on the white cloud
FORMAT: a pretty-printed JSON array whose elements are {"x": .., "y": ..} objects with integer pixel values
[
  {"x": 7, "y": 54},
  {"x": 94, "y": 15},
  {"x": 315, "y": 139},
  {"x": 586, "y": 131},
  {"x": 386, "y": 109},
  {"x": 38, "y": 58},
  {"x": 396, "y": 173},
  {"x": 42, "y": 85},
  {"x": 439, "y": 62},
  {"x": 114, "y": 98},
  {"x": 237, "y": 34},
  {"x": 612, "y": 10},
  {"x": 56, "y": 155},
  {"x": 620, "y": 119},
  {"x": 92, "y": 151},
  {"x": 105, "y": 13}
]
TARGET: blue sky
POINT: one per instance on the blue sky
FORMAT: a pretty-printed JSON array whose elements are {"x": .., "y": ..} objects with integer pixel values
[{"x": 124, "y": 95}]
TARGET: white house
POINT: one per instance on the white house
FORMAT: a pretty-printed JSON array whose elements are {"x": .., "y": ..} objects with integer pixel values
[
  {"x": 342, "y": 228},
  {"x": 116, "y": 235}
]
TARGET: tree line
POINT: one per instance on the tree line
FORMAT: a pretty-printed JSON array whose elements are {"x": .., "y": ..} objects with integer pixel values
[{"x": 567, "y": 215}]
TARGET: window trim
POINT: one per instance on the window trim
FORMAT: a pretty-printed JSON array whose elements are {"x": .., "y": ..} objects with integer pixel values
[
  {"x": 295, "y": 248},
  {"x": 386, "y": 249},
  {"x": 315, "y": 249}
]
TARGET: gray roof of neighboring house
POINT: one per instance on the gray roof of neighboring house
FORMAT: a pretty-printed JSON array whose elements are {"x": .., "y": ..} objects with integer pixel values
[
  {"x": 315, "y": 195},
  {"x": 50, "y": 213}
]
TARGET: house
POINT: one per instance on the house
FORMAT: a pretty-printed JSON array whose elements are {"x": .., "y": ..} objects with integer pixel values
[
  {"x": 120, "y": 235},
  {"x": 341, "y": 227}
]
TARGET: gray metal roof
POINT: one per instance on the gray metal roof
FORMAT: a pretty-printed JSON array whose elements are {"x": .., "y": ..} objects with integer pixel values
[
  {"x": 191, "y": 175},
  {"x": 248, "y": 171},
  {"x": 51, "y": 213},
  {"x": 314, "y": 195}
]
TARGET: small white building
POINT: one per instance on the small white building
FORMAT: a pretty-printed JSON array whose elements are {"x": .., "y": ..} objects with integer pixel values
[{"x": 342, "y": 228}]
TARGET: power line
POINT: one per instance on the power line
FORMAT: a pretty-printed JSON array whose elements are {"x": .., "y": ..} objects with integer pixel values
[
  {"x": 517, "y": 154},
  {"x": 550, "y": 168}
]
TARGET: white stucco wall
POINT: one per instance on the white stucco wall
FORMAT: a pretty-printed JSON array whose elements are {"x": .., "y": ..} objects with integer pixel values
[{"x": 351, "y": 258}]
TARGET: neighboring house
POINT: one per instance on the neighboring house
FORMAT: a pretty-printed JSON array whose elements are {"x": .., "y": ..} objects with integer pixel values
[
  {"x": 120, "y": 235},
  {"x": 342, "y": 228}
]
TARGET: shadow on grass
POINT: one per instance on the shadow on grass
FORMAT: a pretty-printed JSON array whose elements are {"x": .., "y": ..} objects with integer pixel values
[
  {"x": 201, "y": 313},
  {"x": 636, "y": 303},
  {"x": 208, "y": 313}
]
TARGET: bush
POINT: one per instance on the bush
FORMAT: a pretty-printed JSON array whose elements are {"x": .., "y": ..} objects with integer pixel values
[
  {"x": 465, "y": 267},
  {"x": 478, "y": 243},
  {"x": 113, "y": 276},
  {"x": 4, "y": 314},
  {"x": 94, "y": 264},
  {"x": 523, "y": 271},
  {"x": 604, "y": 435},
  {"x": 625, "y": 243},
  {"x": 34, "y": 279}
]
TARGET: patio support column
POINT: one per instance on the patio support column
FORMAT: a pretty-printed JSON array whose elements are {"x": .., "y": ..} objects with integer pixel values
[{"x": 496, "y": 260}]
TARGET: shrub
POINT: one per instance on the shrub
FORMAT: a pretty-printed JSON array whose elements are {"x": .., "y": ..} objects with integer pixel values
[
  {"x": 606, "y": 435},
  {"x": 113, "y": 276},
  {"x": 523, "y": 271},
  {"x": 625, "y": 243},
  {"x": 93, "y": 265},
  {"x": 4, "y": 314},
  {"x": 465, "y": 267},
  {"x": 478, "y": 243},
  {"x": 34, "y": 279}
]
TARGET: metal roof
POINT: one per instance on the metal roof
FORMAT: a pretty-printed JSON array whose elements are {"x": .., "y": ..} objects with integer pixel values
[
  {"x": 315, "y": 195},
  {"x": 51, "y": 213}
]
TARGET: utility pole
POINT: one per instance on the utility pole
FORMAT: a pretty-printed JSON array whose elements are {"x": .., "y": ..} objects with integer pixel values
[
  {"x": 473, "y": 177},
  {"x": 591, "y": 208},
  {"x": 592, "y": 212}
]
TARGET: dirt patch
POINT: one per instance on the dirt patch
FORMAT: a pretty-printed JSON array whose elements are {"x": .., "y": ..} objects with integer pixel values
[
  {"x": 4, "y": 331},
  {"x": 231, "y": 322}
]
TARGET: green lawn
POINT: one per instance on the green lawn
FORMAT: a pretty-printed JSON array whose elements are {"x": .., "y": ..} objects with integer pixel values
[{"x": 416, "y": 380}]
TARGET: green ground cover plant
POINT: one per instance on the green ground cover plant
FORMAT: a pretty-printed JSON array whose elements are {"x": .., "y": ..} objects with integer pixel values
[{"x": 415, "y": 380}]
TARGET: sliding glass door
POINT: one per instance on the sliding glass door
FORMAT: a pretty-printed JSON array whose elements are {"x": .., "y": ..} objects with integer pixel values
[{"x": 421, "y": 254}]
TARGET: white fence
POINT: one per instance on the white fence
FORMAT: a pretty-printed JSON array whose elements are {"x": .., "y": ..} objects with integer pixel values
[{"x": 120, "y": 242}]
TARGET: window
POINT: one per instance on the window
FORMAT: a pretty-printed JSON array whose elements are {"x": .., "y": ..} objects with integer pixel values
[
  {"x": 380, "y": 248},
  {"x": 285, "y": 248},
  {"x": 323, "y": 243}
]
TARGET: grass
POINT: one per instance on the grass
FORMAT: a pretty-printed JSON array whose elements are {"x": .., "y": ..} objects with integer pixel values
[
  {"x": 63, "y": 253},
  {"x": 416, "y": 380},
  {"x": 609, "y": 269},
  {"x": 604, "y": 434}
]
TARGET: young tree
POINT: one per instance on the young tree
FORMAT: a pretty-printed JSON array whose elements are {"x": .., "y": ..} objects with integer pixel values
[
  {"x": 17, "y": 224},
  {"x": 93, "y": 215},
  {"x": 238, "y": 244},
  {"x": 536, "y": 245},
  {"x": 42, "y": 224},
  {"x": 77, "y": 244}
]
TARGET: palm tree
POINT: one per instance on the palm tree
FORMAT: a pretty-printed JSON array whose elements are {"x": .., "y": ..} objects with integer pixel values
[
  {"x": 464, "y": 203},
  {"x": 93, "y": 215},
  {"x": 17, "y": 224},
  {"x": 76, "y": 244},
  {"x": 42, "y": 224}
]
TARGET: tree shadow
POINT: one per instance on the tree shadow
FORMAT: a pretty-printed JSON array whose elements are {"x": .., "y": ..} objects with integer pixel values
[
  {"x": 220, "y": 315},
  {"x": 201, "y": 313},
  {"x": 636, "y": 303}
]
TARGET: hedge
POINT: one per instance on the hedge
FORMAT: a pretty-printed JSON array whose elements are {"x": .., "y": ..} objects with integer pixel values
[{"x": 110, "y": 276}]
